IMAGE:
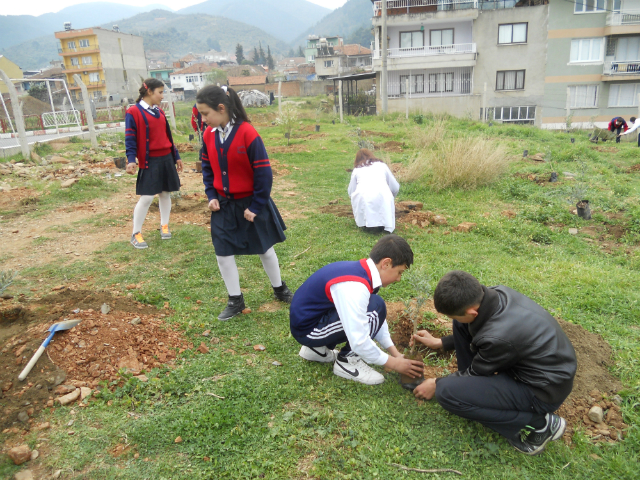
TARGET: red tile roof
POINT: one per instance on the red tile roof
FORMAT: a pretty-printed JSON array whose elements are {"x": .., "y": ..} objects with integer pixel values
[
  {"x": 196, "y": 68},
  {"x": 251, "y": 80},
  {"x": 353, "y": 49}
]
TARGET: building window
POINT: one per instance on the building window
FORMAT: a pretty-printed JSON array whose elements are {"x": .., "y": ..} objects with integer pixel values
[
  {"x": 441, "y": 37},
  {"x": 94, "y": 77},
  {"x": 586, "y": 50},
  {"x": 86, "y": 61},
  {"x": 440, "y": 82},
  {"x": 416, "y": 83},
  {"x": 583, "y": 96},
  {"x": 411, "y": 39},
  {"x": 84, "y": 43},
  {"x": 624, "y": 95},
  {"x": 510, "y": 80},
  {"x": 588, "y": 6},
  {"x": 515, "y": 114},
  {"x": 74, "y": 61},
  {"x": 512, "y": 33},
  {"x": 328, "y": 63},
  {"x": 71, "y": 45},
  {"x": 627, "y": 49}
]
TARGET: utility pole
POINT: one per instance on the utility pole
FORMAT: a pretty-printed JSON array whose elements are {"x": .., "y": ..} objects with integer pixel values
[
  {"x": 87, "y": 110},
  {"x": 568, "y": 107},
  {"x": 406, "y": 96},
  {"x": 340, "y": 94},
  {"x": 280, "y": 98},
  {"x": 383, "y": 77},
  {"x": 17, "y": 114}
]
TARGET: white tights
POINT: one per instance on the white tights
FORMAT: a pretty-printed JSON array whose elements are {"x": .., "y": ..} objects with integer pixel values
[
  {"x": 142, "y": 207},
  {"x": 231, "y": 278}
]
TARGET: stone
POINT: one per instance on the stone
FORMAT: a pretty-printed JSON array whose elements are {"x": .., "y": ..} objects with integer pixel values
[
  {"x": 178, "y": 439},
  {"x": 69, "y": 397},
  {"x": 7, "y": 386},
  {"x": 35, "y": 454},
  {"x": 20, "y": 350},
  {"x": 20, "y": 454},
  {"x": 58, "y": 159},
  {"x": 465, "y": 227},
  {"x": 85, "y": 392},
  {"x": 206, "y": 333},
  {"x": 24, "y": 475},
  {"x": 56, "y": 475},
  {"x": 573, "y": 231},
  {"x": 43, "y": 426},
  {"x": 64, "y": 389},
  {"x": 130, "y": 364},
  {"x": 68, "y": 183},
  {"x": 82, "y": 344},
  {"x": 136, "y": 321},
  {"x": 246, "y": 311},
  {"x": 276, "y": 364},
  {"x": 203, "y": 348},
  {"x": 439, "y": 220},
  {"x": 617, "y": 399},
  {"x": 23, "y": 417},
  {"x": 259, "y": 348},
  {"x": 105, "y": 308},
  {"x": 596, "y": 414},
  {"x": 142, "y": 378}
]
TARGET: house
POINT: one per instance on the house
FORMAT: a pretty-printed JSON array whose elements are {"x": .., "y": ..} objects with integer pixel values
[
  {"x": 13, "y": 71},
  {"x": 188, "y": 60},
  {"x": 334, "y": 61},
  {"x": 289, "y": 63},
  {"x": 219, "y": 57},
  {"x": 254, "y": 82},
  {"x": 163, "y": 74},
  {"x": 192, "y": 78},
  {"x": 109, "y": 62},
  {"x": 314, "y": 42}
]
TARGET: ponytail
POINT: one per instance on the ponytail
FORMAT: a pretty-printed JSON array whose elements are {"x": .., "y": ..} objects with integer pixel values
[
  {"x": 148, "y": 86},
  {"x": 213, "y": 96}
]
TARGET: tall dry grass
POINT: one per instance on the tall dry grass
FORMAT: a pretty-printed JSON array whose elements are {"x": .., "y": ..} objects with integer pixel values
[
  {"x": 429, "y": 135},
  {"x": 466, "y": 163}
]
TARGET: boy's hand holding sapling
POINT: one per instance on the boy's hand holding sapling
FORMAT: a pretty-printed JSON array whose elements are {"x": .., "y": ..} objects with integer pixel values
[
  {"x": 397, "y": 363},
  {"x": 425, "y": 338}
]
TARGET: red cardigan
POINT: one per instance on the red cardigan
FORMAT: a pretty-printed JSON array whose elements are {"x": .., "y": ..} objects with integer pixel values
[{"x": 136, "y": 138}]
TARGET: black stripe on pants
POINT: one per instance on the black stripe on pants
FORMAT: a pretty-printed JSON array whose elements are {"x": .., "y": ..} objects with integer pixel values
[{"x": 497, "y": 401}]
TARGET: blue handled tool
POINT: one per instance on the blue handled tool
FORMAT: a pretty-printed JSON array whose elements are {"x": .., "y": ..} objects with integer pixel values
[{"x": 56, "y": 327}]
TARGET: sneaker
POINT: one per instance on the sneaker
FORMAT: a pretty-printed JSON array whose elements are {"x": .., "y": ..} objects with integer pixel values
[
  {"x": 235, "y": 306},
  {"x": 318, "y": 354},
  {"x": 165, "y": 234},
  {"x": 137, "y": 241},
  {"x": 283, "y": 293},
  {"x": 354, "y": 368},
  {"x": 533, "y": 442}
]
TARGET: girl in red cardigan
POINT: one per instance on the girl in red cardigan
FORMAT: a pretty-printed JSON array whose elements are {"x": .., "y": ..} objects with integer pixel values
[
  {"x": 237, "y": 179},
  {"x": 148, "y": 138}
]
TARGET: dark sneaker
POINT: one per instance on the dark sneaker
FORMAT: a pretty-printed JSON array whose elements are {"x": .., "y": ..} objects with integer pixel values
[
  {"x": 283, "y": 293},
  {"x": 533, "y": 442},
  {"x": 137, "y": 241},
  {"x": 235, "y": 306}
]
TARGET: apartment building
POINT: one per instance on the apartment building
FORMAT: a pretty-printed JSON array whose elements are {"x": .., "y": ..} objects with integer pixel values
[
  {"x": 593, "y": 65},
  {"x": 471, "y": 58},
  {"x": 109, "y": 62},
  {"x": 334, "y": 61},
  {"x": 13, "y": 71},
  {"x": 315, "y": 43}
]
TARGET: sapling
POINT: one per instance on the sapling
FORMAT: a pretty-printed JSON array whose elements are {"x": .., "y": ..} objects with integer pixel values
[
  {"x": 6, "y": 279},
  {"x": 288, "y": 118}
]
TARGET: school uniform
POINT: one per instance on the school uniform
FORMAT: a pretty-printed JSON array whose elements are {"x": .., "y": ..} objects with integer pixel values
[
  {"x": 148, "y": 138},
  {"x": 236, "y": 172},
  {"x": 197, "y": 123},
  {"x": 372, "y": 190},
  {"x": 613, "y": 128},
  {"x": 339, "y": 303}
]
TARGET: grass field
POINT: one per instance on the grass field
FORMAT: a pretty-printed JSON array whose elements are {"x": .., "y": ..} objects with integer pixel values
[{"x": 298, "y": 420}]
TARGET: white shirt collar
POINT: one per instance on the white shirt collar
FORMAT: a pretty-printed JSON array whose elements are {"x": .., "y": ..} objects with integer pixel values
[
  {"x": 376, "y": 281},
  {"x": 148, "y": 107},
  {"x": 224, "y": 132}
]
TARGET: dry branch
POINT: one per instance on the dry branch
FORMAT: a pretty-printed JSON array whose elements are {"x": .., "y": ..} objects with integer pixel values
[{"x": 432, "y": 470}]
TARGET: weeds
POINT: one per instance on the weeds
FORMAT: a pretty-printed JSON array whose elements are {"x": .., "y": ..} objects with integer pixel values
[{"x": 6, "y": 279}]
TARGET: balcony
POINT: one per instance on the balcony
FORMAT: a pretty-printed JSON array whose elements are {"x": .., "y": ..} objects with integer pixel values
[
  {"x": 91, "y": 48},
  {"x": 625, "y": 17},
  {"x": 402, "y": 7},
  {"x": 617, "y": 71},
  {"x": 75, "y": 86},
  {"x": 462, "y": 54},
  {"x": 82, "y": 68},
  {"x": 426, "y": 51}
]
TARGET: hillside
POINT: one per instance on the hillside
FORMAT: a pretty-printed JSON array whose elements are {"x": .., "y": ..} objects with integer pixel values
[
  {"x": 162, "y": 30},
  {"x": 285, "y": 19},
  {"x": 16, "y": 29},
  {"x": 344, "y": 21}
]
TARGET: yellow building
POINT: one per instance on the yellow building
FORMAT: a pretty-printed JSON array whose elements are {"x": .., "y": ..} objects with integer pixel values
[
  {"x": 11, "y": 69},
  {"x": 109, "y": 62}
]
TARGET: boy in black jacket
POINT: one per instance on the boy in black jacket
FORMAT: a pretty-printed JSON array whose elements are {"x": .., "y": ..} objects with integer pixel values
[{"x": 515, "y": 364}]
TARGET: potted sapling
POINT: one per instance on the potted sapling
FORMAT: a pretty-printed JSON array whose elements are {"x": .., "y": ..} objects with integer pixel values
[{"x": 318, "y": 110}]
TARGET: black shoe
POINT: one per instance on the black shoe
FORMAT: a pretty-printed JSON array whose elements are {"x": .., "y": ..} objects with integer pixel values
[
  {"x": 533, "y": 442},
  {"x": 283, "y": 293},
  {"x": 235, "y": 306}
]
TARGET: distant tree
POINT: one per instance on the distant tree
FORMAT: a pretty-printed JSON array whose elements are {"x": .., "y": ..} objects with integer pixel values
[
  {"x": 216, "y": 76},
  {"x": 300, "y": 51},
  {"x": 291, "y": 53},
  {"x": 39, "y": 91},
  {"x": 270, "y": 63},
  {"x": 246, "y": 61},
  {"x": 263, "y": 58},
  {"x": 239, "y": 54},
  {"x": 256, "y": 56},
  {"x": 213, "y": 44}
]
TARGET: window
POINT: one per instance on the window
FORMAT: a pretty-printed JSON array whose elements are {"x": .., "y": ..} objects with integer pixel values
[
  {"x": 587, "y": 6},
  {"x": 416, "y": 83},
  {"x": 94, "y": 77},
  {"x": 84, "y": 43},
  {"x": 328, "y": 63},
  {"x": 515, "y": 114},
  {"x": 624, "y": 95},
  {"x": 583, "y": 96},
  {"x": 71, "y": 45},
  {"x": 440, "y": 82},
  {"x": 74, "y": 61},
  {"x": 627, "y": 49},
  {"x": 441, "y": 37},
  {"x": 510, "y": 80},
  {"x": 512, "y": 33},
  {"x": 411, "y": 39},
  {"x": 586, "y": 50},
  {"x": 86, "y": 61}
]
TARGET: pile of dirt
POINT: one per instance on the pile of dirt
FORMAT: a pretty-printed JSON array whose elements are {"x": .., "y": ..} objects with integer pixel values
[
  {"x": 186, "y": 147},
  {"x": 30, "y": 106},
  {"x": 130, "y": 336},
  {"x": 593, "y": 384},
  {"x": 407, "y": 211},
  {"x": 391, "y": 146},
  {"x": 278, "y": 168},
  {"x": 604, "y": 149},
  {"x": 338, "y": 210}
]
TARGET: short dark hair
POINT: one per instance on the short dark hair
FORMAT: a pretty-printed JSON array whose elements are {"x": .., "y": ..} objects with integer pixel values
[
  {"x": 394, "y": 247},
  {"x": 456, "y": 292},
  {"x": 633, "y": 119}
]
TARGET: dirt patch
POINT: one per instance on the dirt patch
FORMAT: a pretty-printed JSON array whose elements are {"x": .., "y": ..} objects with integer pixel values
[
  {"x": 278, "y": 168},
  {"x": 598, "y": 148},
  {"x": 93, "y": 351},
  {"x": 377, "y": 134},
  {"x": 185, "y": 147},
  {"x": 293, "y": 148},
  {"x": 391, "y": 146},
  {"x": 408, "y": 212},
  {"x": 270, "y": 307},
  {"x": 338, "y": 210}
]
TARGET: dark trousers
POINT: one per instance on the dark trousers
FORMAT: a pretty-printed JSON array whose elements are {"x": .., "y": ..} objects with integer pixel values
[
  {"x": 618, "y": 130},
  {"x": 497, "y": 401},
  {"x": 329, "y": 331}
]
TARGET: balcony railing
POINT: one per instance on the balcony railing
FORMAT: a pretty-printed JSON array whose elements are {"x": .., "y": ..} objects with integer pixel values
[
  {"x": 69, "y": 51},
  {"x": 623, "y": 68},
  {"x": 399, "y": 7},
  {"x": 83, "y": 66},
  {"x": 427, "y": 51},
  {"x": 626, "y": 17}
]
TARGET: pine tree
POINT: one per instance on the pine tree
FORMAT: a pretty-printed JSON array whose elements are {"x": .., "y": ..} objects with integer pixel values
[
  {"x": 270, "y": 62},
  {"x": 256, "y": 56},
  {"x": 239, "y": 54},
  {"x": 263, "y": 58},
  {"x": 300, "y": 51},
  {"x": 291, "y": 53}
]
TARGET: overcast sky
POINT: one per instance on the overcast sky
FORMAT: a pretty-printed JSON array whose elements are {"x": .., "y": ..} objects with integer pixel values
[{"x": 38, "y": 7}]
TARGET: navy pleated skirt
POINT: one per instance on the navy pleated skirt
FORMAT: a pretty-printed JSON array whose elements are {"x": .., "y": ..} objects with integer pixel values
[
  {"x": 159, "y": 176},
  {"x": 232, "y": 234}
]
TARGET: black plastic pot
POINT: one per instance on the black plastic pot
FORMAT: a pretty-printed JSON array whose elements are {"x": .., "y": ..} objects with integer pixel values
[
  {"x": 199, "y": 166},
  {"x": 317, "y": 128},
  {"x": 286, "y": 135},
  {"x": 525, "y": 153},
  {"x": 584, "y": 211},
  {"x": 573, "y": 140},
  {"x": 121, "y": 162},
  {"x": 191, "y": 137},
  {"x": 554, "y": 177}
]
